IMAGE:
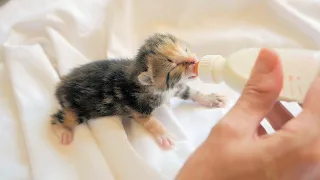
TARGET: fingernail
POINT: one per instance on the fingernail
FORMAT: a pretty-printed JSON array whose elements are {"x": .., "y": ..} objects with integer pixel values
[{"x": 266, "y": 61}]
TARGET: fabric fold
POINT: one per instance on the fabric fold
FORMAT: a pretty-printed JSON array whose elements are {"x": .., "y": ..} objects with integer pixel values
[{"x": 42, "y": 40}]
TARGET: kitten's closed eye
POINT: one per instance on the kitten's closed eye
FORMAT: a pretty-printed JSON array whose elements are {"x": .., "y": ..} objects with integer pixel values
[{"x": 170, "y": 60}]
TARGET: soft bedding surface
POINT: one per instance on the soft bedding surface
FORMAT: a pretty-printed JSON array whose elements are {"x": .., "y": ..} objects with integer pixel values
[{"x": 43, "y": 39}]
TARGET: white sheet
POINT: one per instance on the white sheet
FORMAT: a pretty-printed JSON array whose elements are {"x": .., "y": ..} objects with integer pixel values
[{"x": 43, "y": 39}]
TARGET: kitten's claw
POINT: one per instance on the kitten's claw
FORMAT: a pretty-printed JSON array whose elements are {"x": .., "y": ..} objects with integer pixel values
[
  {"x": 211, "y": 100},
  {"x": 165, "y": 141}
]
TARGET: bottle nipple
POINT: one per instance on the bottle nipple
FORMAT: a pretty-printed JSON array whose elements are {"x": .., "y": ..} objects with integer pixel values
[
  {"x": 210, "y": 68},
  {"x": 195, "y": 69}
]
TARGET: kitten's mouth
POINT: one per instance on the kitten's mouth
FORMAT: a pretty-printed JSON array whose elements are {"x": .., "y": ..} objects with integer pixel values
[
  {"x": 194, "y": 67},
  {"x": 192, "y": 77}
]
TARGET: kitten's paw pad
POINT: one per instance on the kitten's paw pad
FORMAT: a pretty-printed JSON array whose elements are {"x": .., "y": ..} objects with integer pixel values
[
  {"x": 165, "y": 141},
  {"x": 212, "y": 100},
  {"x": 65, "y": 135}
]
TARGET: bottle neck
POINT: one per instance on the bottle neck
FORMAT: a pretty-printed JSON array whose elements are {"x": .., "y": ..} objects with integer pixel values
[{"x": 211, "y": 69}]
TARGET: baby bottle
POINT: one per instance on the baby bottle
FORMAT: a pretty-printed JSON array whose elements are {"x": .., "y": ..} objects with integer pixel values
[{"x": 300, "y": 67}]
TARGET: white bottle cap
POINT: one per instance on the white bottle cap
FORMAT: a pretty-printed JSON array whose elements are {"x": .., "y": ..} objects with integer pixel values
[{"x": 210, "y": 69}]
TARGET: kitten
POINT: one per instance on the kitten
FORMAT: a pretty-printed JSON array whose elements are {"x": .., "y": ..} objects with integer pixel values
[{"x": 129, "y": 88}]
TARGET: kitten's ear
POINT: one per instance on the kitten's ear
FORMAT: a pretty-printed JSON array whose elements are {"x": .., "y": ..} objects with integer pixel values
[{"x": 145, "y": 78}]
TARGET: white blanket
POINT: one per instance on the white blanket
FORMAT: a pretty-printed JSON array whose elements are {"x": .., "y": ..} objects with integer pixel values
[{"x": 43, "y": 39}]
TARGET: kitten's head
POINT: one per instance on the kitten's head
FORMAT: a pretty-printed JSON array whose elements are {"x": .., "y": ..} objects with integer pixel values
[{"x": 168, "y": 62}]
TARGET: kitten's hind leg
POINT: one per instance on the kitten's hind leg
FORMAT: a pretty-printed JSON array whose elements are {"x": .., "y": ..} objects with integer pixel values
[
  {"x": 64, "y": 134},
  {"x": 63, "y": 124},
  {"x": 208, "y": 100},
  {"x": 156, "y": 128}
]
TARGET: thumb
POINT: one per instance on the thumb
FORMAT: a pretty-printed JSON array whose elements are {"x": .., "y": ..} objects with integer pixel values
[{"x": 259, "y": 94}]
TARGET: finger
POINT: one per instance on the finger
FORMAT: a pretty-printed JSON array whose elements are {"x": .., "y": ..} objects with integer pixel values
[
  {"x": 261, "y": 131},
  {"x": 259, "y": 94},
  {"x": 310, "y": 115},
  {"x": 303, "y": 129},
  {"x": 277, "y": 117},
  {"x": 312, "y": 99}
]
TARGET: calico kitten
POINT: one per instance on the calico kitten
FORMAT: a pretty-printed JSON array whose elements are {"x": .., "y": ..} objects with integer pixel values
[{"x": 129, "y": 88}]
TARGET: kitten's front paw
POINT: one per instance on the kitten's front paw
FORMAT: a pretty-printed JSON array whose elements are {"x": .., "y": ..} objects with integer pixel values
[
  {"x": 211, "y": 100},
  {"x": 165, "y": 141}
]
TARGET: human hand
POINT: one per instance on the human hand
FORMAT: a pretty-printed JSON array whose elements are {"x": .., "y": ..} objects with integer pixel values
[{"x": 238, "y": 147}]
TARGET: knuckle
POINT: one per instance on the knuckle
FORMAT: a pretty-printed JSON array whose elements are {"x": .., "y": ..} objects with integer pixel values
[
  {"x": 255, "y": 97},
  {"x": 255, "y": 89}
]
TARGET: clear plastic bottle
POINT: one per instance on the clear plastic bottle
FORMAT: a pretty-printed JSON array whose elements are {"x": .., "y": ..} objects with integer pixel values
[{"x": 300, "y": 67}]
